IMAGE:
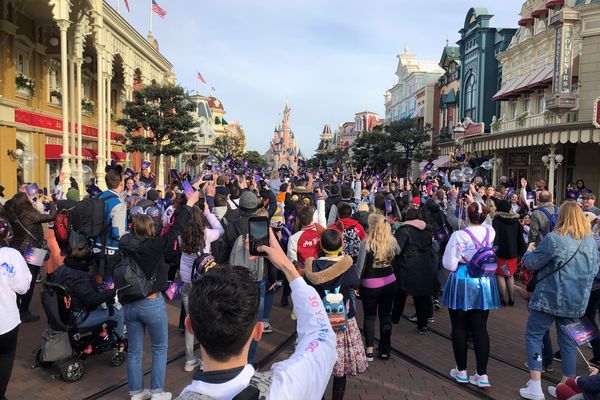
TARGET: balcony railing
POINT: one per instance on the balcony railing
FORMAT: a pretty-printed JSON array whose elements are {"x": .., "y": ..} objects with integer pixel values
[{"x": 533, "y": 121}]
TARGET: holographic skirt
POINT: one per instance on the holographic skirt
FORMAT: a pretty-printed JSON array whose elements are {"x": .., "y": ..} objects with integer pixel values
[{"x": 463, "y": 292}]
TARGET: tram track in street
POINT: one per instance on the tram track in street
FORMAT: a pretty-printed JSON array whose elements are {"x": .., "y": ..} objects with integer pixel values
[{"x": 263, "y": 362}]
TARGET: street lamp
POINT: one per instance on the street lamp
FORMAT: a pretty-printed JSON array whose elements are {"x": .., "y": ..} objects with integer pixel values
[
  {"x": 459, "y": 134},
  {"x": 552, "y": 161}
]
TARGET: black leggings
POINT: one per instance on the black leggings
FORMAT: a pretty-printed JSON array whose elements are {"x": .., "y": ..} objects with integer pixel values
[
  {"x": 378, "y": 301},
  {"x": 421, "y": 308},
  {"x": 24, "y": 300},
  {"x": 474, "y": 323},
  {"x": 8, "y": 347}
]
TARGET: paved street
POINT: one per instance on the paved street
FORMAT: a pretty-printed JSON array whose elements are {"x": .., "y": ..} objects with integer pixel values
[{"x": 418, "y": 368}]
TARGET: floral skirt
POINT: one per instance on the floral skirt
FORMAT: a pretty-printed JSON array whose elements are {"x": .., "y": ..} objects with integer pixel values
[{"x": 352, "y": 359}]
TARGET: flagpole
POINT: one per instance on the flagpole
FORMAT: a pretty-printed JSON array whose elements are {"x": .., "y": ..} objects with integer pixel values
[
  {"x": 150, "y": 17},
  {"x": 118, "y": 1},
  {"x": 197, "y": 84}
]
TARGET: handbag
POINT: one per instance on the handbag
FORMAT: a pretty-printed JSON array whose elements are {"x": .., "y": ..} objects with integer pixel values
[
  {"x": 535, "y": 280},
  {"x": 35, "y": 255},
  {"x": 131, "y": 281}
]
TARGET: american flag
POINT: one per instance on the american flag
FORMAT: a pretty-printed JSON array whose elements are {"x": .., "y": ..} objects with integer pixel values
[
  {"x": 201, "y": 78},
  {"x": 161, "y": 13}
]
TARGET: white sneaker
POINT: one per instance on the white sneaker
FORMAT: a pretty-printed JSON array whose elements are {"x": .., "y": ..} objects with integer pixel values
[
  {"x": 459, "y": 376},
  {"x": 480, "y": 381},
  {"x": 161, "y": 396},
  {"x": 191, "y": 365},
  {"x": 533, "y": 391},
  {"x": 142, "y": 395},
  {"x": 552, "y": 391}
]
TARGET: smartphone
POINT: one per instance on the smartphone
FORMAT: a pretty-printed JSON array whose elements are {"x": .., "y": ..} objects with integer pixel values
[
  {"x": 531, "y": 200},
  {"x": 258, "y": 227},
  {"x": 45, "y": 191},
  {"x": 401, "y": 183},
  {"x": 187, "y": 187},
  {"x": 388, "y": 206},
  {"x": 201, "y": 201}
]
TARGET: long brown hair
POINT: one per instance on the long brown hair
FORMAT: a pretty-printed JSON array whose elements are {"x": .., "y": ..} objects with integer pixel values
[
  {"x": 143, "y": 225},
  {"x": 572, "y": 221},
  {"x": 192, "y": 237}
]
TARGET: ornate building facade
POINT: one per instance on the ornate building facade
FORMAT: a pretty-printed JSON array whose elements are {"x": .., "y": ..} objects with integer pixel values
[
  {"x": 66, "y": 69},
  {"x": 413, "y": 75},
  {"x": 549, "y": 128},
  {"x": 283, "y": 149}
]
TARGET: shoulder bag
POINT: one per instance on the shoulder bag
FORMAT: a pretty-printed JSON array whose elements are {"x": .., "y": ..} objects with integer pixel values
[{"x": 535, "y": 280}]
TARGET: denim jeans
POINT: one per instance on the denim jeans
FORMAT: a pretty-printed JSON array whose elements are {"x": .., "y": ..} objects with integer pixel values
[
  {"x": 189, "y": 337},
  {"x": 262, "y": 286},
  {"x": 268, "y": 307},
  {"x": 100, "y": 315},
  {"x": 547, "y": 353},
  {"x": 537, "y": 326},
  {"x": 147, "y": 314}
]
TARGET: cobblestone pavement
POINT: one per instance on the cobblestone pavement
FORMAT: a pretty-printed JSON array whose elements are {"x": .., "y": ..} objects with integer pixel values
[{"x": 417, "y": 370}]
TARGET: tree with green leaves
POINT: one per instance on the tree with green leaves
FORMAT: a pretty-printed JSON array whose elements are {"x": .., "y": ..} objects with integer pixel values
[
  {"x": 411, "y": 141},
  {"x": 228, "y": 145},
  {"x": 166, "y": 111},
  {"x": 398, "y": 142},
  {"x": 372, "y": 149},
  {"x": 318, "y": 160},
  {"x": 255, "y": 160}
]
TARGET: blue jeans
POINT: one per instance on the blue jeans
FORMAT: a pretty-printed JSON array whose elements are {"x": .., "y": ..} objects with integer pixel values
[
  {"x": 150, "y": 314},
  {"x": 268, "y": 306},
  {"x": 262, "y": 286},
  {"x": 537, "y": 326},
  {"x": 547, "y": 353},
  {"x": 100, "y": 315}
]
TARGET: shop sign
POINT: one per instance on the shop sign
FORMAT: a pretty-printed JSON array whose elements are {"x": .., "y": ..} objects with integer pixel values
[
  {"x": 597, "y": 112},
  {"x": 54, "y": 124}
]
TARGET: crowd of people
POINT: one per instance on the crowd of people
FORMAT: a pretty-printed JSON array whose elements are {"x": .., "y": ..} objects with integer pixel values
[{"x": 341, "y": 245}]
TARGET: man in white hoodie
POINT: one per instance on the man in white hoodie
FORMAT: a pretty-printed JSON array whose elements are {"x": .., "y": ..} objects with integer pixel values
[{"x": 223, "y": 309}]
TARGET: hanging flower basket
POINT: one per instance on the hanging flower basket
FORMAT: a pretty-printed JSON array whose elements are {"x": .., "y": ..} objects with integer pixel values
[
  {"x": 23, "y": 82},
  {"x": 56, "y": 94},
  {"x": 87, "y": 105}
]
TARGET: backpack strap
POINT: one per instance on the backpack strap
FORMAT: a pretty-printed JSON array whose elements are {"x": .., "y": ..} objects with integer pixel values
[{"x": 477, "y": 242}]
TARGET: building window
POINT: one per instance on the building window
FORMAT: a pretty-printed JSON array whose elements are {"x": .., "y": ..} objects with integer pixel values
[
  {"x": 527, "y": 105},
  {"x": 470, "y": 98},
  {"x": 541, "y": 104},
  {"x": 20, "y": 64},
  {"x": 513, "y": 110}
]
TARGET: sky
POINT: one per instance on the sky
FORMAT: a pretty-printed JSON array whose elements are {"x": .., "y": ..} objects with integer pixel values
[{"x": 329, "y": 58}]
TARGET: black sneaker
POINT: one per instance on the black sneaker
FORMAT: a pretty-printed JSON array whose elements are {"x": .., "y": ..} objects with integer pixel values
[
  {"x": 422, "y": 331},
  {"x": 384, "y": 356},
  {"x": 437, "y": 306},
  {"x": 370, "y": 357},
  {"x": 556, "y": 356}
]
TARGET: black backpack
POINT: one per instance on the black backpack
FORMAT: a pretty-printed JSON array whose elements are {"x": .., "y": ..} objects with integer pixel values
[{"x": 88, "y": 217}]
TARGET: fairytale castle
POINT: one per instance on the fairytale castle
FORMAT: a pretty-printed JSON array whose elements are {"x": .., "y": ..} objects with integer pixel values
[{"x": 283, "y": 149}]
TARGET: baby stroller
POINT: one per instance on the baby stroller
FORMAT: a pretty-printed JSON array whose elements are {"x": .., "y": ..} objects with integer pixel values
[{"x": 66, "y": 345}]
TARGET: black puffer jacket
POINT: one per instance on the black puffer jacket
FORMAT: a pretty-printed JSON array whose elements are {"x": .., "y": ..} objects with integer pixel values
[
  {"x": 75, "y": 276},
  {"x": 415, "y": 266},
  {"x": 149, "y": 253},
  {"x": 509, "y": 236}
]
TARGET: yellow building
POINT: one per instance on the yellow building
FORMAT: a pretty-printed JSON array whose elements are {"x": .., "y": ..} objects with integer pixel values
[{"x": 67, "y": 64}]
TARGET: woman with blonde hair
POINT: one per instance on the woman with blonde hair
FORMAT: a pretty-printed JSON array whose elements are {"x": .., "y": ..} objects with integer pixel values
[
  {"x": 378, "y": 283},
  {"x": 565, "y": 263}
]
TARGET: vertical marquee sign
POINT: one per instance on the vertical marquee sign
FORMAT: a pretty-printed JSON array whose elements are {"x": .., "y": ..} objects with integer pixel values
[{"x": 562, "y": 99}]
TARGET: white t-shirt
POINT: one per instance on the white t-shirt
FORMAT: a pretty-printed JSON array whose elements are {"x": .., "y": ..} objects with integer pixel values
[
  {"x": 14, "y": 278},
  {"x": 306, "y": 373},
  {"x": 461, "y": 247}
]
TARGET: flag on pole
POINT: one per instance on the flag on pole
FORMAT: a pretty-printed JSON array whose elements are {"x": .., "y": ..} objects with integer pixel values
[
  {"x": 155, "y": 8},
  {"x": 201, "y": 78},
  {"x": 127, "y": 5}
]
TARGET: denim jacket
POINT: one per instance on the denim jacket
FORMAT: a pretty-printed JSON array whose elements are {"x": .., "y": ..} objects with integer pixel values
[{"x": 565, "y": 293}]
